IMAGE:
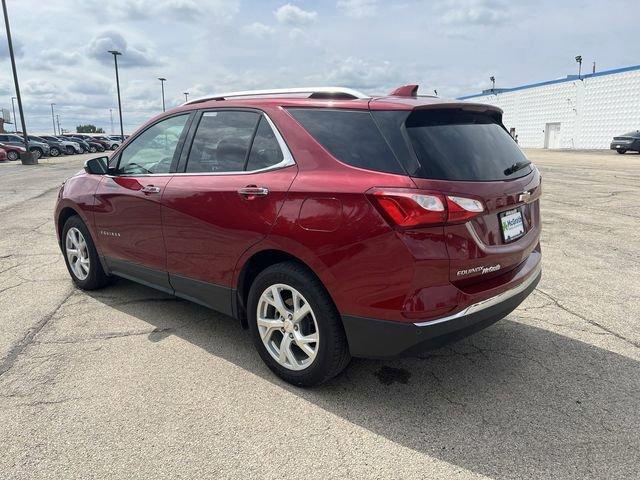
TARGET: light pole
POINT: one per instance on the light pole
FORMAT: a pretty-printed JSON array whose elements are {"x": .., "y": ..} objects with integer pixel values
[
  {"x": 15, "y": 120},
  {"x": 27, "y": 160},
  {"x": 579, "y": 60},
  {"x": 111, "y": 117},
  {"x": 186, "y": 97},
  {"x": 53, "y": 119},
  {"x": 115, "y": 54},
  {"x": 58, "y": 120},
  {"x": 493, "y": 83},
  {"x": 162, "y": 80}
]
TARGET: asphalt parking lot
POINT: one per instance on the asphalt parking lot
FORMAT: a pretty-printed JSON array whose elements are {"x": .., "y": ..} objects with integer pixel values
[{"x": 127, "y": 382}]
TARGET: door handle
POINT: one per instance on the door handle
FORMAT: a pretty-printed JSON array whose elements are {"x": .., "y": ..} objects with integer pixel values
[
  {"x": 150, "y": 189},
  {"x": 253, "y": 191}
]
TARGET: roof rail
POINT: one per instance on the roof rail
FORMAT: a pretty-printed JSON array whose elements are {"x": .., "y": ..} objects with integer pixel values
[{"x": 314, "y": 92}]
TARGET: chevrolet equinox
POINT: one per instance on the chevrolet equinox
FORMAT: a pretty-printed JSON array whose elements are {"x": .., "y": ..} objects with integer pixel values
[{"x": 330, "y": 223}]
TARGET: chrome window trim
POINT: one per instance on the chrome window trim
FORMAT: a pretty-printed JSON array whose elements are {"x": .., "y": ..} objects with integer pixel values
[
  {"x": 287, "y": 157},
  {"x": 489, "y": 302}
]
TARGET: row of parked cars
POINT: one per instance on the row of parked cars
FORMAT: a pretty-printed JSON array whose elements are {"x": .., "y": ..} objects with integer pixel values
[{"x": 49, "y": 145}]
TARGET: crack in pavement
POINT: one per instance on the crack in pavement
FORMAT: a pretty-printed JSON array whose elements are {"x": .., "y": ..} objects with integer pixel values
[
  {"x": 16, "y": 350},
  {"x": 588, "y": 320}
]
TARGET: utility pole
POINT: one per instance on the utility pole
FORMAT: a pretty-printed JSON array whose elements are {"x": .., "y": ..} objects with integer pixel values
[
  {"x": 493, "y": 83},
  {"x": 28, "y": 160},
  {"x": 15, "y": 119},
  {"x": 162, "y": 80},
  {"x": 58, "y": 120},
  {"x": 579, "y": 60},
  {"x": 115, "y": 54},
  {"x": 186, "y": 97},
  {"x": 53, "y": 119},
  {"x": 111, "y": 116}
]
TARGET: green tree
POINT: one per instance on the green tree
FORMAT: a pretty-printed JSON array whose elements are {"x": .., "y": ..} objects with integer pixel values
[{"x": 88, "y": 129}]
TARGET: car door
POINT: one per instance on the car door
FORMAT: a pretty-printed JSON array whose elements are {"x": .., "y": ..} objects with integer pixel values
[
  {"x": 127, "y": 212},
  {"x": 232, "y": 184}
]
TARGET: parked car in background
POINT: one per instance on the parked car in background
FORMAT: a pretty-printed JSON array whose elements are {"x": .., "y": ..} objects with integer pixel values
[
  {"x": 118, "y": 138},
  {"x": 13, "y": 151},
  {"x": 629, "y": 142},
  {"x": 93, "y": 145},
  {"x": 41, "y": 149},
  {"x": 55, "y": 146},
  {"x": 3, "y": 155},
  {"x": 86, "y": 148},
  {"x": 331, "y": 225},
  {"x": 72, "y": 146},
  {"x": 68, "y": 147},
  {"x": 109, "y": 143}
]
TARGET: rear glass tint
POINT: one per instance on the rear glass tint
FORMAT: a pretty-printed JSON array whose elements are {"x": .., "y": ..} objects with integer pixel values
[
  {"x": 460, "y": 145},
  {"x": 349, "y": 135}
]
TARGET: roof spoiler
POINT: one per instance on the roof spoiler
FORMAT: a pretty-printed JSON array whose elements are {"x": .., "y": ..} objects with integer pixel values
[{"x": 405, "y": 91}]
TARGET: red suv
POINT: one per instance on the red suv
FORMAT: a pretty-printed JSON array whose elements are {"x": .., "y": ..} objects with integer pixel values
[{"x": 330, "y": 223}]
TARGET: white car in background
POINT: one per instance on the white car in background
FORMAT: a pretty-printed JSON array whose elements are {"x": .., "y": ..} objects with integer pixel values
[{"x": 69, "y": 147}]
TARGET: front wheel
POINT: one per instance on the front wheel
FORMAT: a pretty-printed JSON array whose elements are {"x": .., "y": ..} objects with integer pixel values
[
  {"x": 37, "y": 152},
  {"x": 93, "y": 149},
  {"x": 621, "y": 152},
  {"x": 81, "y": 256},
  {"x": 295, "y": 326},
  {"x": 54, "y": 152},
  {"x": 12, "y": 155},
  {"x": 70, "y": 151}
]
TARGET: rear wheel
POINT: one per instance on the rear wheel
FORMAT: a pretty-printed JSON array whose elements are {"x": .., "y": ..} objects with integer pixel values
[
  {"x": 54, "y": 151},
  {"x": 70, "y": 151},
  {"x": 621, "y": 152},
  {"x": 37, "y": 153},
  {"x": 114, "y": 146},
  {"x": 295, "y": 325},
  {"x": 93, "y": 149},
  {"x": 81, "y": 256}
]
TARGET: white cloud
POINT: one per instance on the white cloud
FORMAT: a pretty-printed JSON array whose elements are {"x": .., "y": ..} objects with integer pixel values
[
  {"x": 292, "y": 15},
  {"x": 18, "y": 45},
  {"x": 475, "y": 13},
  {"x": 358, "y": 8},
  {"x": 258, "y": 29},
  {"x": 131, "y": 56},
  {"x": 220, "y": 11}
]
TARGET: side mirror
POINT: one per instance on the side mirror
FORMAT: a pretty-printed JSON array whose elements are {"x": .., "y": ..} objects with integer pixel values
[{"x": 97, "y": 166}]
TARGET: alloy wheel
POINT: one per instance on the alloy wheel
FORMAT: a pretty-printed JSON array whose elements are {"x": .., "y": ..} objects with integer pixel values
[
  {"x": 12, "y": 156},
  {"x": 77, "y": 253},
  {"x": 287, "y": 326}
]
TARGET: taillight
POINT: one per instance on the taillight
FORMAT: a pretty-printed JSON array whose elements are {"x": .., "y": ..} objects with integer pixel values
[{"x": 413, "y": 208}]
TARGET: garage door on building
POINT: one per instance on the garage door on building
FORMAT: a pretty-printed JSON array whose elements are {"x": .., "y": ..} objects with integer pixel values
[{"x": 552, "y": 135}]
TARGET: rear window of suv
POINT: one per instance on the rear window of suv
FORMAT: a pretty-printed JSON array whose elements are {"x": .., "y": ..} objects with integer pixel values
[
  {"x": 460, "y": 145},
  {"x": 351, "y": 136}
]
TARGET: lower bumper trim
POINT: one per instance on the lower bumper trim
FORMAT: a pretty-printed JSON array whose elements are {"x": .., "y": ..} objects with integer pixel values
[{"x": 372, "y": 338}]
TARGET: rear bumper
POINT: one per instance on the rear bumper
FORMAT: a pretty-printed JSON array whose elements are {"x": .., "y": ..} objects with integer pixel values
[{"x": 370, "y": 338}]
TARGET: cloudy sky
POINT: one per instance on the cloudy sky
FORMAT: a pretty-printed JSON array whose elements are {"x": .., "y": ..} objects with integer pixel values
[{"x": 210, "y": 46}]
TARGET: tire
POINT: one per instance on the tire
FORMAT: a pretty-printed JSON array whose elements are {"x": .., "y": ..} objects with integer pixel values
[
  {"x": 12, "y": 155},
  {"x": 621, "y": 152},
  {"x": 93, "y": 149},
  {"x": 101, "y": 149},
  {"x": 331, "y": 354},
  {"x": 70, "y": 151},
  {"x": 54, "y": 152},
  {"x": 37, "y": 152},
  {"x": 114, "y": 146},
  {"x": 95, "y": 276}
]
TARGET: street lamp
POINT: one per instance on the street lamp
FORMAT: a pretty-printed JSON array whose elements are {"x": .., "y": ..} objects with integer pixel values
[
  {"x": 27, "y": 159},
  {"x": 186, "y": 97},
  {"x": 111, "y": 118},
  {"x": 53, "y": 119},
  {"x": 115, "y": 54},
  {"x": 15, "y": 120},
  {"x": 493, "y": 83},
  {"x": 162, "y": 80},
  {"x": 58, "y": 120},
  {"x": 579, "y": 60}
]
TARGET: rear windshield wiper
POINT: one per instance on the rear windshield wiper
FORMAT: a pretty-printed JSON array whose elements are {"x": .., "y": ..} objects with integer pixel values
[{"x": 515, "y": 167}]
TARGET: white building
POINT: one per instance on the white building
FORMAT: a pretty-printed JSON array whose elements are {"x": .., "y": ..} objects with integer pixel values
[{"x": 570, "y": 112}]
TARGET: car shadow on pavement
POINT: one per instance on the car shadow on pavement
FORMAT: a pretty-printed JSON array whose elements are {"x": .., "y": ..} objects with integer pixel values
[{"x": 513, "y": 401}]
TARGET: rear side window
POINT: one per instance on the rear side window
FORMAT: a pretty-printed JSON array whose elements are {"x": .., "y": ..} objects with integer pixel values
[
  {"x": 458, "y": 145},
  {"x": 222, "y": 141},
  {"x": 265, "y": 151},
  {"x": 349, "y": 135}
]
